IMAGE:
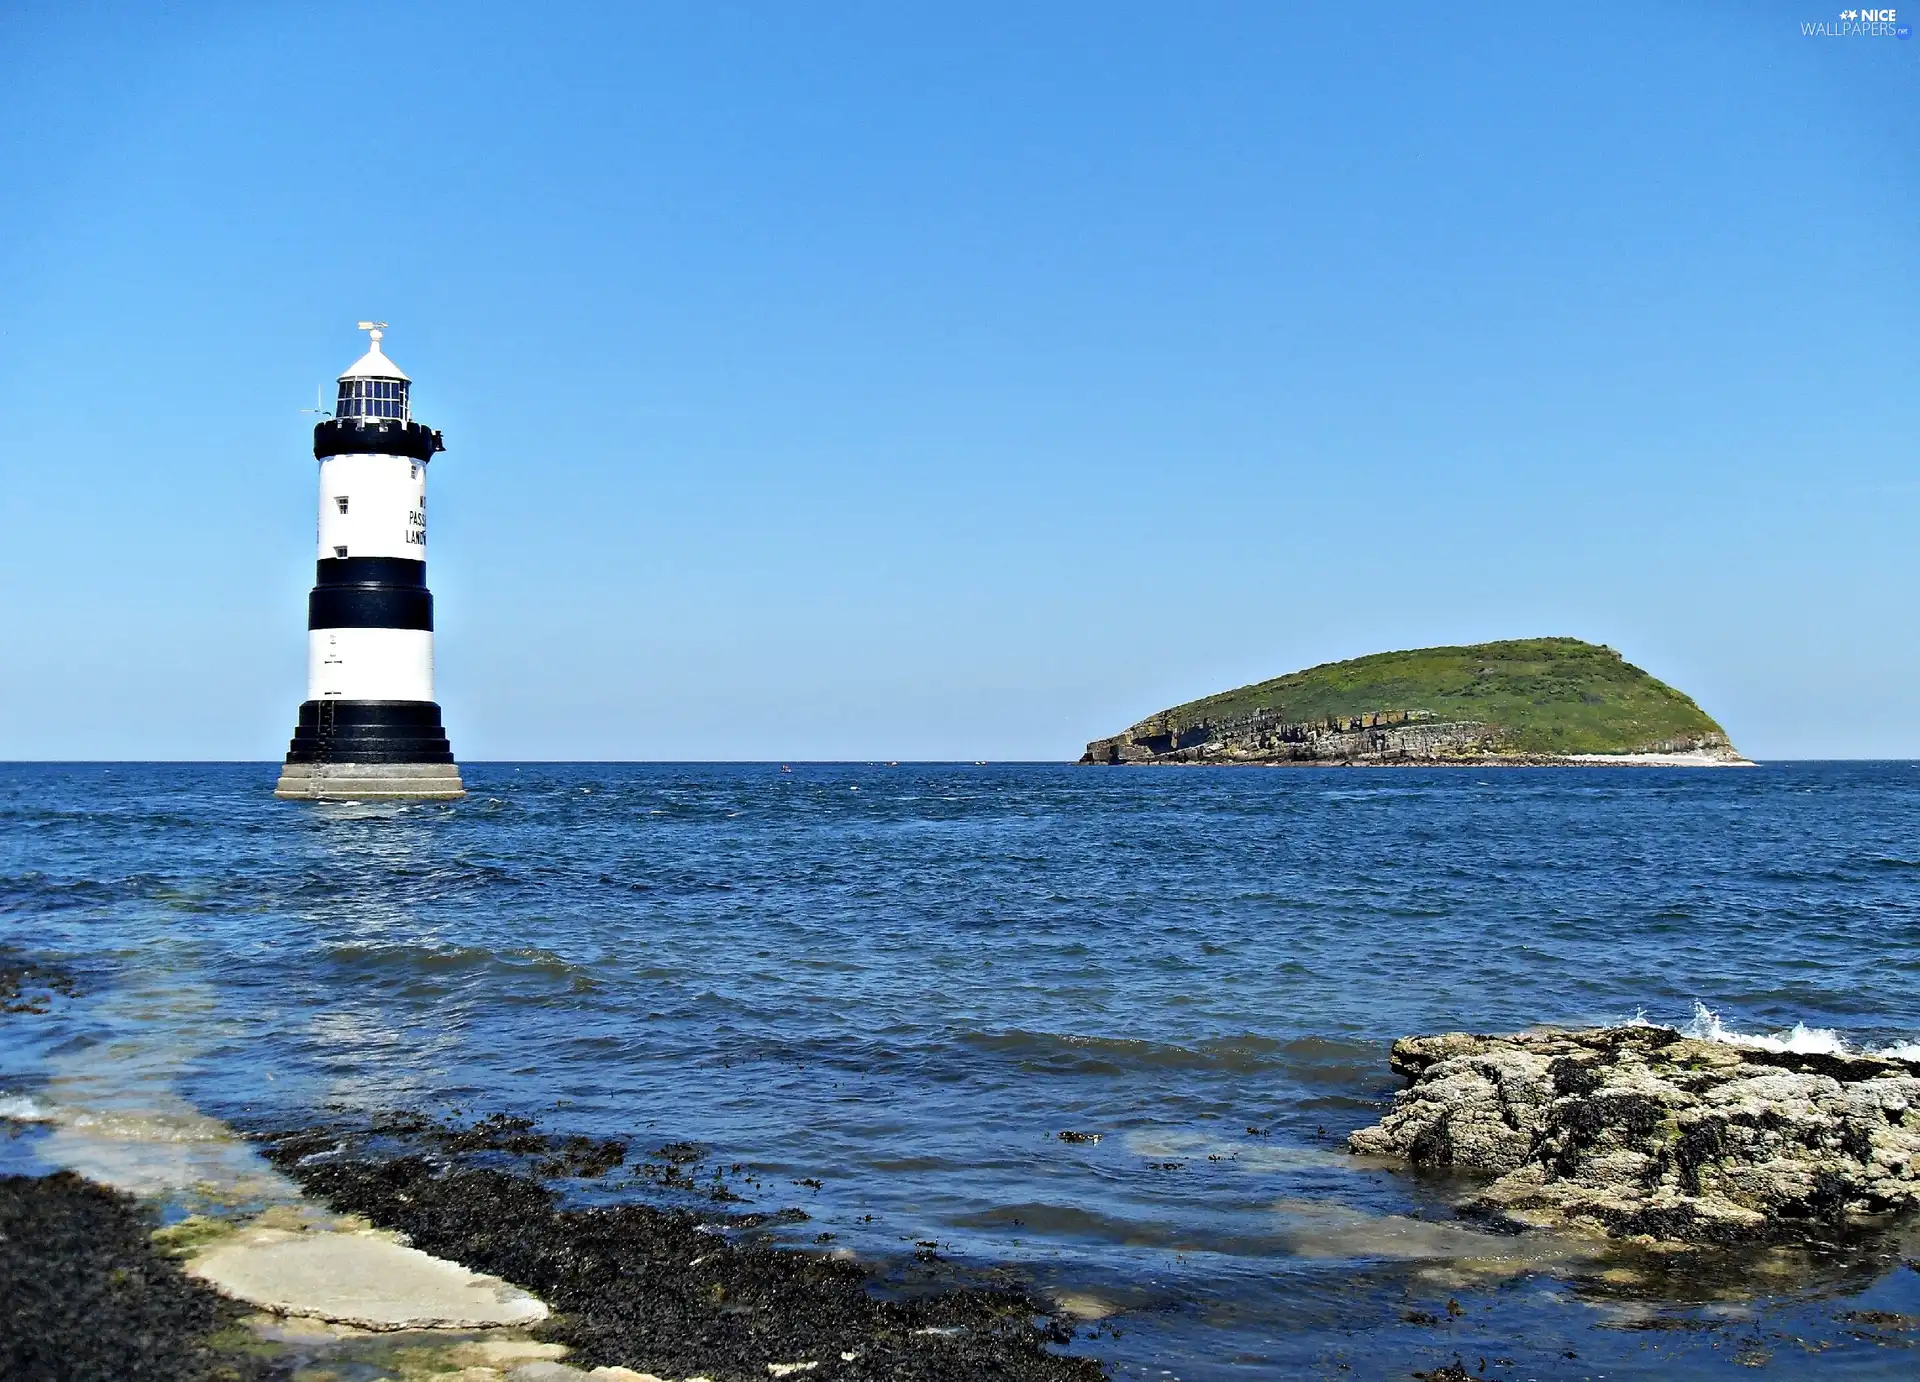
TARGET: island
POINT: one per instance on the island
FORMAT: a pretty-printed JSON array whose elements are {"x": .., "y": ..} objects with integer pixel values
[{"x": 1521, "y": 701}]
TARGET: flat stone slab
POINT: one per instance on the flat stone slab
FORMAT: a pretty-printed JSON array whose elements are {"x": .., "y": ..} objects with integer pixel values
[{"x": 361, "y": 1279}]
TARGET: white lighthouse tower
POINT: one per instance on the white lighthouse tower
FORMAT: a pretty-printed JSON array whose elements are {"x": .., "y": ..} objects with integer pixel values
[{"x": 370, "y": 727}]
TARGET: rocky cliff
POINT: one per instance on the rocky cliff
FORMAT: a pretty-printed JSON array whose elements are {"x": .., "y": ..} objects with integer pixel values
[{"x": 1542, "y": 700}]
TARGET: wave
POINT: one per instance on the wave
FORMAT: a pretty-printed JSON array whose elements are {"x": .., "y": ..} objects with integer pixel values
[
  {"x": 1316, "y": 1063},
  {"x": 18, "y": 1108},
  {"x": 402, "y": 957},
  {"x": 1799, "y": 1039},
  {"x": 1095, "y": 1055},
  {"x": 122, "y": 1125},
  {"x": 166, "y": 1149}
]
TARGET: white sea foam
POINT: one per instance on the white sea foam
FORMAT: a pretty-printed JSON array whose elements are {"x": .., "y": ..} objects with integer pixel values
[
  {"x": 145, "y": 1125},
  {"x": 19, "y": 1108},
  {"x": 1707, "y": 1025},
  {"x": 1800, "y": 1039},
  {"x": 161, "y": 1148}
]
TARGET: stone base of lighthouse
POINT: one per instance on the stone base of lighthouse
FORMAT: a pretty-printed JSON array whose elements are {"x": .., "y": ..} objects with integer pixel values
[
  {"x": 370, "y": 782},
  {"x": 370, "y": 751}
]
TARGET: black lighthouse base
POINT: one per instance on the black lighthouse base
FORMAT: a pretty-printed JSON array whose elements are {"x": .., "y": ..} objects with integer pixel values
[{"x": 366, "y": 750}]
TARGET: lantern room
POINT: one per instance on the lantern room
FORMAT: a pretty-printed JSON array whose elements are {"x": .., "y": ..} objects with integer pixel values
[{"x": 373, "y": 386}]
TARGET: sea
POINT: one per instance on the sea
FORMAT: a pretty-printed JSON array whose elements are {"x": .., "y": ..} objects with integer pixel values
[{"x": 881, "y": 993}]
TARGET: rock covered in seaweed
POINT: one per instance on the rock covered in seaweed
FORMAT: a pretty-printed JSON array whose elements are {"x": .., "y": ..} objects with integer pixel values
[{"x": 1640, "y": 1131}]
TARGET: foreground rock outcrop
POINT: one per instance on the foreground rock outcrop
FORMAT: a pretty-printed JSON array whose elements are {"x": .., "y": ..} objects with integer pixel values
[{"x": 1641, "y": 1132}]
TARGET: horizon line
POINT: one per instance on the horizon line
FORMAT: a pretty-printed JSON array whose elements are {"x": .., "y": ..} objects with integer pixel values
[{"x": 843, "y": 763}]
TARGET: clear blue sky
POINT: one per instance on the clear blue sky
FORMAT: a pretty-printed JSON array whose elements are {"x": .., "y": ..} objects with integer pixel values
[{"x": 964, "y": 381}]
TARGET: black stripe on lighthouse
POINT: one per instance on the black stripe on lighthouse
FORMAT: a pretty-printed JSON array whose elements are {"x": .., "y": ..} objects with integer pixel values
[
  {"x": 370, "y": 607},
  {"x": 343, "y": 436},
  {"x": 369, "y": 732},
  {"x": 369, "y": 571}
]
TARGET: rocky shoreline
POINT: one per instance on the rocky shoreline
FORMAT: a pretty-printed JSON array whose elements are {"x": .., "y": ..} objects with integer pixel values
[
  {"x": 644, "y": 1292},
  {"x": 1390, "y": 739},
  {"x": 407, "y": 1247},
  {"x": 1689, "y": 759},
  {"x": 175, "y": 1246},
  {"x": 1643, "y": 1134}
]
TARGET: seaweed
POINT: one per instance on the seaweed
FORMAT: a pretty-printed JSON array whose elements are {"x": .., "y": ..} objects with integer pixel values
[
  {"x": 86, "y": 1293},
  {"x": 667, "y": 1291}
]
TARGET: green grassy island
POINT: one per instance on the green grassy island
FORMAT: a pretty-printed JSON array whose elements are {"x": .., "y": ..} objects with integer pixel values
[{"x": 1523, "y": 700}]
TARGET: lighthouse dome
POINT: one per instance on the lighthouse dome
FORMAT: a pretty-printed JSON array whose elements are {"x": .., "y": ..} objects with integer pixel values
[{"x": 373, "y": 386}]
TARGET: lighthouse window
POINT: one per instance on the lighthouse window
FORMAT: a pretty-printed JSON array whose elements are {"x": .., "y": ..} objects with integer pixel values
[
  {"x": 380, "y": 398},
  {"x": 341, "y": 500}
]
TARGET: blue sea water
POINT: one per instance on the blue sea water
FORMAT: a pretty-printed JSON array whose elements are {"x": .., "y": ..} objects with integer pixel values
[{"x": 903, "y": 983}]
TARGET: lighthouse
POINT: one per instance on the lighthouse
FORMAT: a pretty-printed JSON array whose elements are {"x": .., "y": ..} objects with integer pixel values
[{"x": 370, "y": 727}]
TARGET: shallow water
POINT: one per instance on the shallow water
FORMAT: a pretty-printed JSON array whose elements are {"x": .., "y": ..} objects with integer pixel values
[{"x": 903, "y": 983}]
